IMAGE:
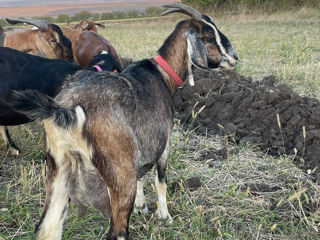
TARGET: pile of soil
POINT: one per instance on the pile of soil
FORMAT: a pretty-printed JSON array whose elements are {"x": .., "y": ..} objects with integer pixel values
[{"x": 247, "y": 110}]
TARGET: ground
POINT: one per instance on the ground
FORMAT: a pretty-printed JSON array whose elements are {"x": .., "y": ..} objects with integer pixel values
[{"x": 225, "y": 181}]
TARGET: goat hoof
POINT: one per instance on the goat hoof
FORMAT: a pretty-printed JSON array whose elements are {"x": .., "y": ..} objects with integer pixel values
[
  {"x": 165, "y": 216},
  {"x": 14, "y": 151},
  {"x": 144, "y": 209}
]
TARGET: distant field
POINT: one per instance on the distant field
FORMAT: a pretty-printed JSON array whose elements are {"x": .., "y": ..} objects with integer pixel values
[
  {"x": 54, "y": 9},
  {"x": 227, "y": 206}
]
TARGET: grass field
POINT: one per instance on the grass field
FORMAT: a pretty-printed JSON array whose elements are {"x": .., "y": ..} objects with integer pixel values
[{"x": 245, "y": 195}]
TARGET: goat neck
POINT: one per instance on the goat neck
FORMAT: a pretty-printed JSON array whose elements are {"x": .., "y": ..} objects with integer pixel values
[
  {"x": 174, "y": 51},
  {"x": 22, "y": 40}
]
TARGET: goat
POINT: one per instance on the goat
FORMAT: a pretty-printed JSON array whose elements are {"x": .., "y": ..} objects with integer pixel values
[
  {"x": 104, "y": 131},
  {"x": 86, "y": 44},
  {"x": 46, "y": 41},
  {"x": 20, "y": 71},
  {"x": 86, "y": 25}
]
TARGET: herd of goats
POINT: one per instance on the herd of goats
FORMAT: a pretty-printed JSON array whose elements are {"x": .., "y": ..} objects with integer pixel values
[{"x": 105, "y": 126}]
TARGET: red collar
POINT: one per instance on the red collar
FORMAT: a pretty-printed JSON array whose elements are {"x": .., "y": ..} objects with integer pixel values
[{"x": 168, "y": 69}]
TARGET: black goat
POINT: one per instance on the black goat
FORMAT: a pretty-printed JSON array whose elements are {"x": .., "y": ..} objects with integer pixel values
[
  {"x": 104, "y": 131},
  {"x": 21, "y": 71}
]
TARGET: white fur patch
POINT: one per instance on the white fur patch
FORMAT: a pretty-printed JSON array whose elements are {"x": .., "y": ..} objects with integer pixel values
[
  {"x": 140, "y": 201},
  {"x": 190, "y": 75},
  {"x": 103, "y": 52},
  {"x": 218, "y": 40},
  {"x": 51, "y": 226},
  {"x": 81, "y": 117},
  {"x": 3, "y": 133},
  {"x": 162, "y": 210}
]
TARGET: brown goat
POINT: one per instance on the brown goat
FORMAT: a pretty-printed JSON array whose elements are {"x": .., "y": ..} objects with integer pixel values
[
  {"x": 104, "y": 131},
  {"x": 87, "y": 44},
  {"x": 47, "y": 41},
  {"x": 86, "y": 25}
]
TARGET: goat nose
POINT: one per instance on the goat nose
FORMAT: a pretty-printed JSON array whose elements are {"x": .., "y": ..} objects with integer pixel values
[{"x": 235, "y": 55}]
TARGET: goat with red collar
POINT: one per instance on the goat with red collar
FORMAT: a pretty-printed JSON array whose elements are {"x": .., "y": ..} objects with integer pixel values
[
  {"x": 20, "y": 71},
  {"x": 105, "y": 131}
]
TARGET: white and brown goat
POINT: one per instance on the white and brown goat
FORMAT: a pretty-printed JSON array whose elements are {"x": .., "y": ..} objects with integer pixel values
[{"x": 104, "y": 131}]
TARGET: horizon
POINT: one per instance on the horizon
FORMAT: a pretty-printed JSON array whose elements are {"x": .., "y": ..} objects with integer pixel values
[{"x": 38, "y": 8}]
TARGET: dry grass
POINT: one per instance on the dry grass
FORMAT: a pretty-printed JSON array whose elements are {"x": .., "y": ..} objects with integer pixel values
[{"x": 245, "y": 194}]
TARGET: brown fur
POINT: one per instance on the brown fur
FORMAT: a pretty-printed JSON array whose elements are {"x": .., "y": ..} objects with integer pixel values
[
  {"x": 113, "y": 157},
  {"x": 41, "y": 43},
  {"x": 87, "y": 44},
  {"x": 121, "y": 123},
  {"x": 86, "y": 25}
]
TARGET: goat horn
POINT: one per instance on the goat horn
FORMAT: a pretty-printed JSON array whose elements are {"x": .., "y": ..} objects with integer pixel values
[
  {"x": 40, "y": 23},
  {"x": 100, "y": 25},
  {"x": 182, "y": 8}
]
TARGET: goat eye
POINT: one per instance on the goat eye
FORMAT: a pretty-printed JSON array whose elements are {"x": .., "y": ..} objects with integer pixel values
[{"x": 209, "y": 34}]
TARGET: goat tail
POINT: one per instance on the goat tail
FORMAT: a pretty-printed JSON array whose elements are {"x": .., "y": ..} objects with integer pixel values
[{"x": 36, "y": 105}]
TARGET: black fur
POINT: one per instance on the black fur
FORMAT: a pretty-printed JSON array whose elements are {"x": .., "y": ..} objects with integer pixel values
[
  {"x": 107, "y": 62},
  {"x": 38, "y": 106},
  {"x": 66, "y": 41},
  {"x": 21, "y": 71}
]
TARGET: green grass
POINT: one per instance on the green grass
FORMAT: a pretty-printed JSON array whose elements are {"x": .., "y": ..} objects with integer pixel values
[
  {"x": 287, "y": 48},
  {"x": 228, "y": 205}
]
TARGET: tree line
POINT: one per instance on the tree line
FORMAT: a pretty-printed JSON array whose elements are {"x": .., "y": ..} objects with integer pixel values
[
  {"x": 63, "y": 18},
  {"x": 266, "y": 5}
]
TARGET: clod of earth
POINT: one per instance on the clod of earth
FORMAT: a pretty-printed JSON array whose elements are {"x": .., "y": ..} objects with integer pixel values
[{"x": 265, "y": 113}]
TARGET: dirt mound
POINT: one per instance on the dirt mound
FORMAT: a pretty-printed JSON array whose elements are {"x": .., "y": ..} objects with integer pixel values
[
  {"x": 237, "y": 105},
  {"x": 247, "y": 110}
]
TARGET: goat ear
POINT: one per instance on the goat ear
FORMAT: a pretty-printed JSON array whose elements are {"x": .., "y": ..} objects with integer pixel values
[
  {"x": 197, "y": 51},
  {"x": 84, "y": 25}
]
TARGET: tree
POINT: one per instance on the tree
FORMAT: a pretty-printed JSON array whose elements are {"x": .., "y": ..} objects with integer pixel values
[
  {"x": 153, "y": 11},
  {"x": 81, "y": 16},
  {"x": 133, "y": 13},
  {"x": 107, "y": 16},
  {"x": 119, "y": 15},
  {"x": 62, "y": 18}
]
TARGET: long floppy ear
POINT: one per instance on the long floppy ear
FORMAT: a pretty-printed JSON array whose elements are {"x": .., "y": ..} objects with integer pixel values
[{"x": 197, "y": 51}]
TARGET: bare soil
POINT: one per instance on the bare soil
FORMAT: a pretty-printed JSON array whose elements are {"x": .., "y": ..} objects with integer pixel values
[{"x": 247, "y": 111}]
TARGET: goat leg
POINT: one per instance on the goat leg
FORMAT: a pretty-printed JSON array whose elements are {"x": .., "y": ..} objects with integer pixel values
[
  {"x": 8, "y": 141},
  {"x": 122, "y": 195},
  {"x": 56, "y": 203},
  {"x": 140, "y": 201},
  {"x": 161, "y": 185}
]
